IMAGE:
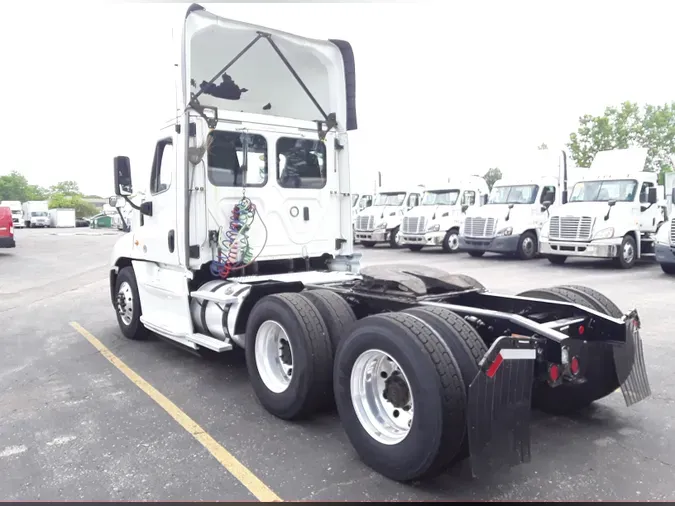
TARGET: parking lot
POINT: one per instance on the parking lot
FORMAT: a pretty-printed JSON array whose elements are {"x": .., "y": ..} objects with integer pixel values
[{"x": 75, "y": 427}]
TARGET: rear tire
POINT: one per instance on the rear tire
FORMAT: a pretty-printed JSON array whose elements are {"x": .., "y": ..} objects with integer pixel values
[
  {"x": 476, "y": 254},
  {"x": 288, "y": 356},
  {"x": 601, "y": 375},
  {"x": 127, "y": 305},
  {"x": 336, "y": 312},
  {"x": 437, "y": 401}
]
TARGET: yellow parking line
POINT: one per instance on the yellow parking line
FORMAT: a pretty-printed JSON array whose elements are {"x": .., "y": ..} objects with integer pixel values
[{"x": 261, "y": 491}]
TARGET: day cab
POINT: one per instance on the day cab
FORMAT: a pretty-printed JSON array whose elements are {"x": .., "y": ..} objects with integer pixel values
[
  {"x": 517, "y": 208},
  {"x": 6, "y": 228},
  {"x": 436, "y": 222},
  {"x": 665, "y": 236},
  {"x": 381, "y": 222},
  {"x": 613, "y": 212}
]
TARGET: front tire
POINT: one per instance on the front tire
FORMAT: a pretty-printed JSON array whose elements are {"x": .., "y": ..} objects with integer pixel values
[
  {"x": 451, "y": 241},
  {"x": 601, "y": 373},
  {"x": 627, "y": 253},
  {"x": 395, "y": 238},
  {"x": 527, "y": 246},
  {"x": 128, "y": 305},
  {"x": 288, "y": 356},
  {"x": 400, "y": 396},
  {"x": 668, "y": 268}
]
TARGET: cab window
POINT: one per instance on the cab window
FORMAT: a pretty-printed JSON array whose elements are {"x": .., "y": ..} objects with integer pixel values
[
  {"x": 163, "y": 166},
  {"x": 301, "y": 163},
  {"x": 413, "y": 200},
  {"x": 469, "y": 198},
  {"x": 236, "y": 159},
  {"x": 644, "y": 192},
  {"x": 547, "y": 194}
]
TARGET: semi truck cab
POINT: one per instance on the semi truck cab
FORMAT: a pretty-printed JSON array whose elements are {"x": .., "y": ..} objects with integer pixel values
[
  {"x": 613, "y": 212},
  {"x": 665, "y": 236},
  {"x": 436, "y": 222},
  {"x": 381, "y": 222}
]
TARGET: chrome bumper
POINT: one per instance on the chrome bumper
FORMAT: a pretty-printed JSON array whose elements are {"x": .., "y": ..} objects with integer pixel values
[{"x": 607, "y": 248}]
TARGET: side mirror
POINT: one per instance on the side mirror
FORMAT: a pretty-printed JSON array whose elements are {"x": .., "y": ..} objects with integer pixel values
[
  {"x": 652, "y": 195},
  {"x": 611, "y": 203},
  {"x": 465, "y": 207},
  {"x": 122, "y": 167}
]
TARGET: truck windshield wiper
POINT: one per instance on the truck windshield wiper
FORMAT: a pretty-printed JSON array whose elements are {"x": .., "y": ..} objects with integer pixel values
[{"x": 328, "y": 119}]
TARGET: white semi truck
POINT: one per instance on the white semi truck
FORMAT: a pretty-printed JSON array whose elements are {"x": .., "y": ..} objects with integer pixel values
[
  {"x": 665, "y": 236},
  {"x": 381, "y": 222},
  {"x": 436, "y": 222},
  {"x": 15, "y": 208},
  {"x": 413, "y": 357},
  {"x": 518, "y": 206},
  {"x": 613, "y": 212},
  {"x": 36, "y": 213}
]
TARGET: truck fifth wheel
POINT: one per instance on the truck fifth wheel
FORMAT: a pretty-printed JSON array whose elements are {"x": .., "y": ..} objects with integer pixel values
[{"x": 244, "y": 238}]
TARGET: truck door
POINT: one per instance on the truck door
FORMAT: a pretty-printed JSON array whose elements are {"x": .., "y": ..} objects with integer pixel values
[
  {"x": 650, "y": 216},
  {"x": 157, "y": 234}
]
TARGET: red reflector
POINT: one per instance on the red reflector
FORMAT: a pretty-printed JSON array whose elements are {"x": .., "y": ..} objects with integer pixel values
[
  {"x": 553, "y": 372},
  {"x": 492, "y": 370},
  {"x": 574, "y": 365},
  {"x": 581, "y": 330}
]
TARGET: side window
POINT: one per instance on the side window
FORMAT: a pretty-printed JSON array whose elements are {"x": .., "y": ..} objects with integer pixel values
[
  {"x": 469, "y": 198},
  {"x": 644, "y": 191},
  {"x": 547, "y": 194},
  {"x": 163, "y": 166},
  {"x": 413, "y": 200},
  {"x": 301, "y": 163},
  {"x": 236, "y": 158}
]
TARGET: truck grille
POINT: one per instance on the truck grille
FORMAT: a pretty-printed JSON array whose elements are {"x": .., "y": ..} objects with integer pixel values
[
  {"x": 672, "y": 231},
  {"x": 571, "y": 228},
  {"x": 365, "y": 222},
  {"x": 413, "y": 225},
  {"x": 479, "y": 227}
]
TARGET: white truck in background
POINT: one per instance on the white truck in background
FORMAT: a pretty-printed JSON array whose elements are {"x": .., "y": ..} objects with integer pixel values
[
  {"x": 62, "y": 218},
  {"x": 381, "y": 222},
  {"x": 665, "y": 236},
  {"x": 359, "y": 202},
  {"x": 15, "y": 208},
  {"x": 36, "y": 213},
  {"x": 613, "y": 212},
  {"x": 437, "y": 220},
  {"x": 517, "y": 208}
]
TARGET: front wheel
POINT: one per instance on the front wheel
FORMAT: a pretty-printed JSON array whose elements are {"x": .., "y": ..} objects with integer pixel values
[
  {"x": 451, "y": 241},
  {"x": 527, "y": 246},
  {"x": 127, "y": 305},
  {"x": 668, "y": 268},
  {"x": 395, "y": 238},
  {"x": 627, "y": 253}
]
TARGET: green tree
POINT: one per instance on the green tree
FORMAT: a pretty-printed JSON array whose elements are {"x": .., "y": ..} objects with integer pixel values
[
  {"x": 82, "y": 207},
  {"x": 542, "y": 147},
  {"x": 492, "y": 176},
  {"x": 68, "y": 188},
  {"x": 625, "y": 126},
  {"x": 14, "y": 186}
]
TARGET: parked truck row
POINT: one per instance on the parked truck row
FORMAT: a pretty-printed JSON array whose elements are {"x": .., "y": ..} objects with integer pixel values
[{"x": 613, "y": 210}]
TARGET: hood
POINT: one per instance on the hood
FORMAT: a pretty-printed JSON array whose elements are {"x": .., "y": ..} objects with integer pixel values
[
  {"x": 499, "y": 211},
  {"x": 429, "y": 211},
  {"x": 378, "y": 211},
  {"x": 594, "y": 209}
]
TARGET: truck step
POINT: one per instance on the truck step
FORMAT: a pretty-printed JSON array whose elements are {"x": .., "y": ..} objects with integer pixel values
[
  {"x": 647, "y": 254},
  {"x": 213, "y": 297},
  {"x": 210, "y": 342}
]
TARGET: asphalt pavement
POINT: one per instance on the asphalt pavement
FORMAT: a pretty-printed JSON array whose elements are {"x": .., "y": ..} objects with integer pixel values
[{"x": 75, "y": 427}]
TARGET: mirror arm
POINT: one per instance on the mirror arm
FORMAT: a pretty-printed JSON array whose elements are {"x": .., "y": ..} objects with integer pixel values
[
  {"x": 125, "y": 225},
  {"x": 133, "y": 206}
]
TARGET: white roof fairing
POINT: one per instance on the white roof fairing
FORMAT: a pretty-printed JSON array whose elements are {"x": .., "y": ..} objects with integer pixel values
[{"x": 263, "y": 83}]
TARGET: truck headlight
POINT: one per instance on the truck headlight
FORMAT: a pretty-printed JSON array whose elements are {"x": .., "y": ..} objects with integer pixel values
[
  {"x": 381, "y": 225},
  {"x": 506, "y": 231},
  {"x": 605, "y": 233},
  {"x": 434, "y": 228}
]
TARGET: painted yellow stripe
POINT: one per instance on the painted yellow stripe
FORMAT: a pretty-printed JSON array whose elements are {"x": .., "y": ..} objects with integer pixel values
[{"x": 261, "y": 491}]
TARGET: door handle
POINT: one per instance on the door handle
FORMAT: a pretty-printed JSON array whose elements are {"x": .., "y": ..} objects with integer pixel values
[
  {"x": 305, "y": 213},
  {"x": 172, "y": 241}
]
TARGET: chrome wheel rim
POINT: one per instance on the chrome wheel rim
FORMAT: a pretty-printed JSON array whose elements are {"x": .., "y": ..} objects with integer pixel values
[
  {"x": 274, "y": 356},
  {"x": 628, "y": 252},
  {"x": 382, "y": 397},
  {"x": 125, "y": 303}
]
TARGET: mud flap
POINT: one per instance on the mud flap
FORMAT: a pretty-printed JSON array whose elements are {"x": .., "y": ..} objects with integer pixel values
[
  {"x": 629, "y": 362},
  {"x": 499, "y": 405}
]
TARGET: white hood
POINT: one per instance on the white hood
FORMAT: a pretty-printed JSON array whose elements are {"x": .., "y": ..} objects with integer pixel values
[
  {"x": 378, "y": 211},
  {"x": 429, "y": 211},
  {"x": 499, "y": 211},
  {"x": 593, "y": 209}
]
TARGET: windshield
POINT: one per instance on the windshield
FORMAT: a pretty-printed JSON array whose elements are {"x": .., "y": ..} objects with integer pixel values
[
  {"x": 355, "y": 199},
  {"x": 16, "y": 211},
  {"x": 621, "y": 190},
  {"x": 389, "y": 199},
  {"x": 38, "y": 213},
  {"x": 440, "y": 198},
  {"x": 520, "y": 194}
]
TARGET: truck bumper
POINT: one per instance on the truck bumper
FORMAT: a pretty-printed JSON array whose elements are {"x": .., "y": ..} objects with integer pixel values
[
  {"x": 428, "y": 239},
  {"x": 665, "y": 254},
  {"x": 372, "y": 236},
  {"x": 499, "y": 244},
  {"x": 7, "y": 242},
  {"x": 608, "y": 248}
]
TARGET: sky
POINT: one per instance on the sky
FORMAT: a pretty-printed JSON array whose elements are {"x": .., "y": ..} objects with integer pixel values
[{"x": 443, "y": 88}]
